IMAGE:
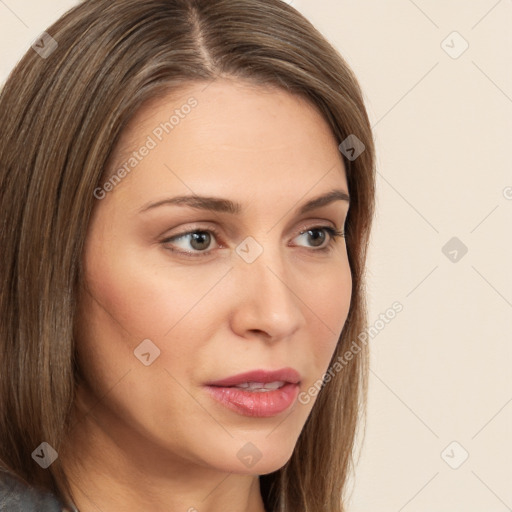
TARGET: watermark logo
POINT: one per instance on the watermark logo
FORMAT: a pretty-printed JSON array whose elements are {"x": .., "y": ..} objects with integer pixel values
[
  {"x": 454, "y": 249},
  {"x": 454, "y": 455},
  {"x": 352, "y": 147},
  {"x": 146, "y": 352},
  {"x": 45, "y": 455},
  {"x": 249, "y": 250},
  {"x": 249, "y": 455},
  {"x": 454, "y": 45},
  {"x": 45, "y": 45}
]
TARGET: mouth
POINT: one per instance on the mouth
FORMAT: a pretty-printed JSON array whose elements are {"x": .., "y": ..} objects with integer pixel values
[
  {"x": 263, "y": 377},
  {"x": 258, "y": 393},
  {"x": 260, "y": 387}
]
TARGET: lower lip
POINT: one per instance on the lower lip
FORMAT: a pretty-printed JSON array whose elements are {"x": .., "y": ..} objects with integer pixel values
[{"x": 261, "y": 404}]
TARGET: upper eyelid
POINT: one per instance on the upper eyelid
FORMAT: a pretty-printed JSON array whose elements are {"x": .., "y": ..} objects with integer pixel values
[
  {"x": 205, "y": 225},
  {"x": 304, "y": 226}
]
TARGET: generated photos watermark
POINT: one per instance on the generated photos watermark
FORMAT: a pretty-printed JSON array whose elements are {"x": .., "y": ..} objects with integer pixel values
[
  {"x": 152, "y": 141},
  {"x": 343, "y": 360}
]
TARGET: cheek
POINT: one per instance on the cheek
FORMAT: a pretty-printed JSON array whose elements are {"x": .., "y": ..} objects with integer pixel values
[
  {"x": 126, "y": 303},
  {"x": 135, "y": 295},
  {"x": 332, "y": 298},
  {"x": 328, "y": 302}
]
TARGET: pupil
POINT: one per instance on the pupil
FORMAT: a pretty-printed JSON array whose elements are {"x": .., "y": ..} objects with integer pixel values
[
  {"x": 321, "y": 236},
  {"x": 199, "y": 238}
]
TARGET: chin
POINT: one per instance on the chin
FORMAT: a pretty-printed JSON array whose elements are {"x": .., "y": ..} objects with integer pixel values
[{"x": 256, "y": 453}]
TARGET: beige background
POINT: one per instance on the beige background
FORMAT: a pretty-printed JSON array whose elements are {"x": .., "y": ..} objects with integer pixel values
[{"x": 443, "y": 126}]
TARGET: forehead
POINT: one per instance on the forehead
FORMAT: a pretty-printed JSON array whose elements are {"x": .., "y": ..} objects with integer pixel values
[{"x": 233, "y": 134}]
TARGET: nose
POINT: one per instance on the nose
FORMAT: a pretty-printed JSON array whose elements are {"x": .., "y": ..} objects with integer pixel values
[{"x": 266, "y": 301}]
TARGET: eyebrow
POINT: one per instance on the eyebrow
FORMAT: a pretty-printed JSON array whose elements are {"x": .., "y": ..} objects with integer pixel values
[{"x": 217, "y": 204}]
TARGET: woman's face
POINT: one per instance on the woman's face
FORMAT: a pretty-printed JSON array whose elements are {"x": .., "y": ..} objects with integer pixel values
[{"x": 179, "y": 294}]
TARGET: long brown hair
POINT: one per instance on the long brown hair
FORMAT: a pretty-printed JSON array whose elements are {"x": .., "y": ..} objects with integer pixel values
[{"x": 61, "y": 118}]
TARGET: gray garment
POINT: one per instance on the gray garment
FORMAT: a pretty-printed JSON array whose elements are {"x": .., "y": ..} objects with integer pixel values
[{"x": 15, "y": 496}]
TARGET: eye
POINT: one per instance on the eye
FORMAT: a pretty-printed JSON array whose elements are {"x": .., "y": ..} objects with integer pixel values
[
  {"x": 192, "y": 243},
  {"x": 198, "y": 242},
  {"x": 323, "y": 238}
]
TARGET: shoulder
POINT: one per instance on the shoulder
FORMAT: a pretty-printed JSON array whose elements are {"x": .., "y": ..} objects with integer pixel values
[{"x": 15, "y": 496}]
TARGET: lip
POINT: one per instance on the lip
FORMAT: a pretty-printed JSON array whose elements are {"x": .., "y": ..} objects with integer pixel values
[
  {"x": 288, "y": 375},
  {"x": 261, "y": 404}
]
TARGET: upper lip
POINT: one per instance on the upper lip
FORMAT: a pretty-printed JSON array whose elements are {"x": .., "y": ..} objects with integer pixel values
[{"x": 264, "y": 376}]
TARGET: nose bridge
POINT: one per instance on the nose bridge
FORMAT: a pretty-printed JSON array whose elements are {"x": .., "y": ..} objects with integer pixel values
[{"x": 269, "y": 303}]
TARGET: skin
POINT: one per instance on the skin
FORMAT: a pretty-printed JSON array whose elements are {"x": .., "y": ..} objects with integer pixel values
[{"x": 150, "y": 437}]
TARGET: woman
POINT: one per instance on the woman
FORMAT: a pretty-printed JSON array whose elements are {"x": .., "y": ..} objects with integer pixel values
[{"x": 187, "y": 191}]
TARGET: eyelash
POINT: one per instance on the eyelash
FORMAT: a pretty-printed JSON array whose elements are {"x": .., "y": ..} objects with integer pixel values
[{"x": 333, "y": 233}]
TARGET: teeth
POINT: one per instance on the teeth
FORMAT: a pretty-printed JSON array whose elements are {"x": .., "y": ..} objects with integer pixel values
[{"x": 260, "y": 386}]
